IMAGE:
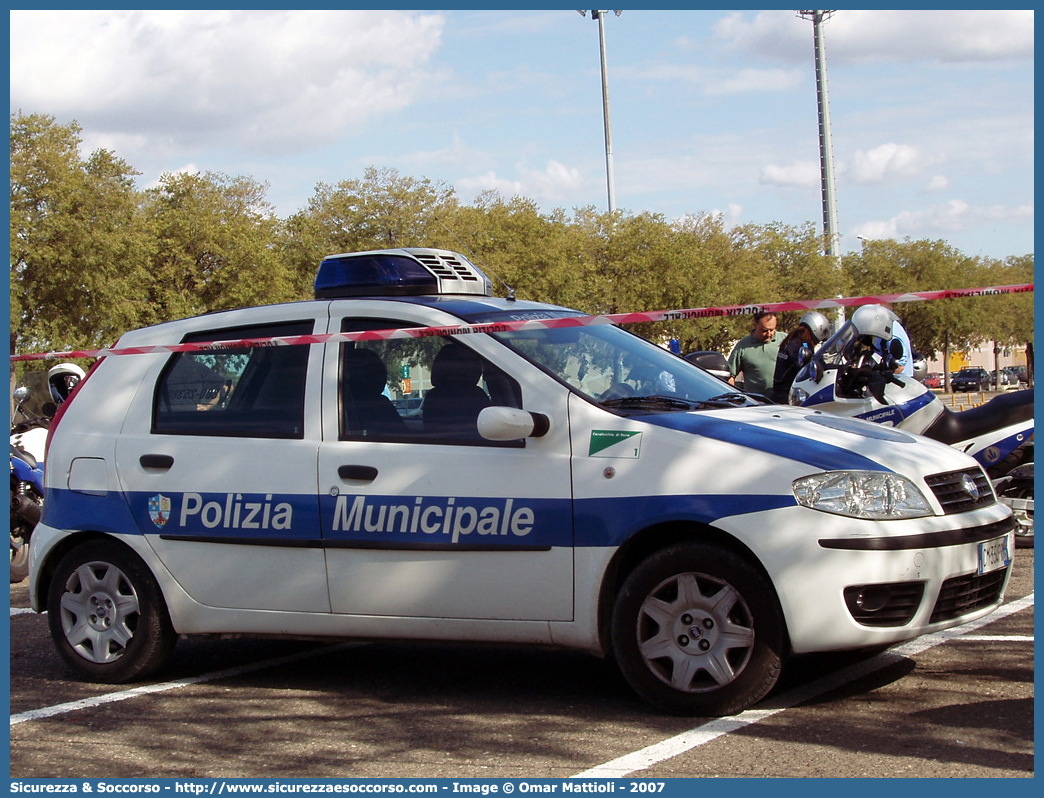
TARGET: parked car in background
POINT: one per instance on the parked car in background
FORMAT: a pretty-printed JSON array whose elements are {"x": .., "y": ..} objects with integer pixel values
[
  {"x": 971, "y": 379},
  {"x": 408, "y": 407},
  {"x": 934, "y": 380},
  {"x": 1005, "y": 379},
  {"x": 1017, "y": 374}
]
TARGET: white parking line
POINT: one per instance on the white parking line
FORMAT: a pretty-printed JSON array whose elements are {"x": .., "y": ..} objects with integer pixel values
[
  {"x": 996, "y": 639},
  {"x": 712, "y": 730},
  {"x": 22, "y": 611},
  {"x": 618, "y": 767}
]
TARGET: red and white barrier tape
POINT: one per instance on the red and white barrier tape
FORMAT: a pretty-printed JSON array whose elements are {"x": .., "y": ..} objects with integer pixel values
[{"x": 506, "y": 326}]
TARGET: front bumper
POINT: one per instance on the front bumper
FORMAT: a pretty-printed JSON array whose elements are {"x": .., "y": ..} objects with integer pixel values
[{"x": 846, "y": 583}]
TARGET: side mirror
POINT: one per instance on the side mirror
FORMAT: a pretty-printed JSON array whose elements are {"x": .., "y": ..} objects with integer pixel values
[
  {"x": 21, "y": 394},
  {"x": 804, "y": 356},
  {"x": 511, "y": 423},
  {"x": 895, "y": 349}
]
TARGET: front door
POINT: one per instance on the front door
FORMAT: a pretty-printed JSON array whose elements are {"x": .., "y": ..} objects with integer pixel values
[{"x": 421, "y": 517}]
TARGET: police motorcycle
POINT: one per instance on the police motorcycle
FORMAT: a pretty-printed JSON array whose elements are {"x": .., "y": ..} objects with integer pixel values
[
  {"x": 28, "y": 441},
  {"x": 853, "y": 375}
]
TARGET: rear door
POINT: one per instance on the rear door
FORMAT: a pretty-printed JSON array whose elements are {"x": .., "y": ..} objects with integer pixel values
[
  {"x": 217, "y": 462},
  {"x": 425, "y": 518}
]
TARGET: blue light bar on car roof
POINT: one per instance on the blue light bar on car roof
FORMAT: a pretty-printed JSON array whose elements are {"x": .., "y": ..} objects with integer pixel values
[{"x": 399, "y": 272}]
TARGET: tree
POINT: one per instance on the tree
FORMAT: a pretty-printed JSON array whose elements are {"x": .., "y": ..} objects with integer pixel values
[
  {"x": 1008, "y": 319},
  {"x": 717, "y": 268},
  {"x": 213, "y": 247},
  {"x": 92, "y": 256},
  {"x": 794, "y": 258},
  {"x": 78, "y": 248},
  {"x": 529, "y": 254},
  {"x": 891, "y": 267},
  {"x": 383, "y": 210}
]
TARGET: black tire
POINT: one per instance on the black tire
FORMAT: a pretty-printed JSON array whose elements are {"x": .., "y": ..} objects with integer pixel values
[
  {"x": 718, "y": 643},
  {"x": 1009, "y": 492},
  {"x": 19, "y": 558},
  {"x": 107, "y": 614},
  {"x": 1016, "y": 458}
]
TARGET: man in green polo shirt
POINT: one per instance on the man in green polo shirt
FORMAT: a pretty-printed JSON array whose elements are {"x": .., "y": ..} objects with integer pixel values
[{"x": 755, "y": 355}]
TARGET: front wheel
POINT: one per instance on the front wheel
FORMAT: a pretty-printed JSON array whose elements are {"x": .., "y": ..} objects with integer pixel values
[
  {"x": 107, "y": 615},
  {"x": 697, "y": 630}
]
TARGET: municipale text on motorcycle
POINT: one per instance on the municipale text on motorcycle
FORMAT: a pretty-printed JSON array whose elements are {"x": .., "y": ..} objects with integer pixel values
[{"x": 853, "y": 374}]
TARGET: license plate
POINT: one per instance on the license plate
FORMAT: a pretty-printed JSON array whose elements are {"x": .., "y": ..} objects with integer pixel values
[{"x": 993, "y": 555}]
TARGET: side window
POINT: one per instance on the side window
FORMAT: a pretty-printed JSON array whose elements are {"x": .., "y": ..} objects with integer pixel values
[
  {"x": 247, "y": 392},
  {"x": 417, "y": 389}
]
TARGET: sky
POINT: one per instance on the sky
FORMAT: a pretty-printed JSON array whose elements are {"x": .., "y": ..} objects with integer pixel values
[{"x": 710, "y": 111}]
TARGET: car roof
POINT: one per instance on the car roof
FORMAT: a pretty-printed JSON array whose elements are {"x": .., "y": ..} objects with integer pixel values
[
  {"x": 470, "y": 309},
  {"x": 476, "y": 309}
]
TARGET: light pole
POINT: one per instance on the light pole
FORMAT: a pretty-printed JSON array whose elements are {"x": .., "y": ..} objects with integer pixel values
[
  {"x": 831, "y": 238},
  {"x": 599, "y": 17}
]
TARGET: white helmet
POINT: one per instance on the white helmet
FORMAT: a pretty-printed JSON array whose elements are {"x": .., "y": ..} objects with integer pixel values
[
  {"x": 61, "y": 380},
  {"x": 817, "y": 324},
  {"x": 874, "y": 320},
  {"x": 920, "y": 366}
]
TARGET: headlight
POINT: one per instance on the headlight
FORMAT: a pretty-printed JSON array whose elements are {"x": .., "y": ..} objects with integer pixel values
[
  {"x": 798, "y": 396},
  {"x": 862, "y": 494}
]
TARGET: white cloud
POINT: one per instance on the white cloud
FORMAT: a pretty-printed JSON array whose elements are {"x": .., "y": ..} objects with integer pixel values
[
  {"x": 470, "y": 187},
  {"x": 938, "y": 183},
  {"x": 943, "y": 35},
  {"x": 946, "y": 219},
  {"x": 731, "y": 216},
  {"x": 851, "y": 36},
  {"x": 249, "y": 79},
  {"x": 889, "y": 161},
  {"x": 771, "y": 34},
  {"x": 750, "y": 80},
  {"x": 187, "y": 169},
  {"x": 457, "y": 154},
  {"x": 714, "y": 82},
  {"x": 556, "y": 183},
  {"x": 803, "y": 174}
]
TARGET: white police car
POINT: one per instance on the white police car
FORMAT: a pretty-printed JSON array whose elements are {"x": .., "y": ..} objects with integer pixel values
[{"x": 564, "y": 483}]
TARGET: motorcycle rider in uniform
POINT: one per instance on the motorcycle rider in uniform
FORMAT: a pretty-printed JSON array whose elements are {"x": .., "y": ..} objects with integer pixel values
[{"x": 814, "y": 328}]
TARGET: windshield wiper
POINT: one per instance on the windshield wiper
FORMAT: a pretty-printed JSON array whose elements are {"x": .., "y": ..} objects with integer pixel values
[
  {"x": 656, "y": 402},
  {"x": 728, "y": 400},
  {"x": 661, "y": 402}
]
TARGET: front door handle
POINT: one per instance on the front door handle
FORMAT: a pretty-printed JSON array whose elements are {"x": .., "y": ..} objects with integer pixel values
[{"x": 357, "y": 472}]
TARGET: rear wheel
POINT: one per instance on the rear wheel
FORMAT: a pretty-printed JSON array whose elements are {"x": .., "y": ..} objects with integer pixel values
[
  {"x": 697, "y": 630},
  {"x": 22, "y": 503},
  {"x": 19, "y": 557},
  {"x": 107, "y": 615},
  {"x": 1013, "y": 460}
]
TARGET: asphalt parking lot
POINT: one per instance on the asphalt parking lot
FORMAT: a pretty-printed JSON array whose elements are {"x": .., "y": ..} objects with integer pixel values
[{"x": 959, "y": 705}]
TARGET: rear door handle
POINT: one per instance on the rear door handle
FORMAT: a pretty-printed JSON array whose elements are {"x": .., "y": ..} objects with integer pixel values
[
  {"x": 158, "y": 461},
  {"x": 358, "y": 472}
]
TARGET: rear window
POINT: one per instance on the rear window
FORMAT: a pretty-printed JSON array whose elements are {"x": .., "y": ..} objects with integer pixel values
[{"x": 246, "y": 392}]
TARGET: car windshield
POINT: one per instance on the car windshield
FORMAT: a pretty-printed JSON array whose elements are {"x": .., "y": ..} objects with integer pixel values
[{"x": 620, "y": 370}]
